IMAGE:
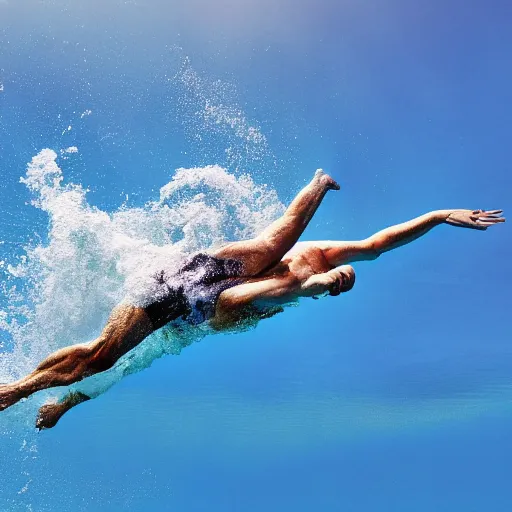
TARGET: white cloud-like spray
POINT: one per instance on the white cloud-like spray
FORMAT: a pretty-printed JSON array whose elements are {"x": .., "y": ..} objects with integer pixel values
[{"x": 61, "y": 291}]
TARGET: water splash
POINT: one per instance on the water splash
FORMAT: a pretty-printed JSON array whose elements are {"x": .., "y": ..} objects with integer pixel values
[
  {"x": 216, "y": 124},
  {"x": 62, "y": 289}
]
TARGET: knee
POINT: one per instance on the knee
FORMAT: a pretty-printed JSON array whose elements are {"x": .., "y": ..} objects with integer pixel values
[
  {"x": 99, "y": 358},
  {"x": 101, "y": 362}
]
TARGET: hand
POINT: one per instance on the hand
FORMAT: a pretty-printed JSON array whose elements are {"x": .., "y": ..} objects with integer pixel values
[
  {"x": 475, "y": 219},
  {"x": 320, "y": 284}
]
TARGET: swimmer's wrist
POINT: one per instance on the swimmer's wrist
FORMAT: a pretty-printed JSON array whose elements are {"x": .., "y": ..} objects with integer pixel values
[{"x": 441, "y": 216}]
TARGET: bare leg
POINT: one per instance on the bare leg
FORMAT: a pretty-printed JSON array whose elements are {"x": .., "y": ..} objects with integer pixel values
[
  {"x": 126, "y": 328},
  {"x": 270, "y": 246},
  {"x": 52, "y": 412}
]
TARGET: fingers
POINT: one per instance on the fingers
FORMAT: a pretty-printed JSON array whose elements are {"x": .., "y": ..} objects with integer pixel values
[
  {"x": 490, "y": 218},
  {"x": 487, "y": 212},
  {"x": 489, "y": 221},
  {"x": 487, "y": 218},
  {"x": 335, "y": 288}
]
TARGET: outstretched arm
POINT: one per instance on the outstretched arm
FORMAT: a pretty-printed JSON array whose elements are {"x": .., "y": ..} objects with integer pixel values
[{"x": 338, "y": 253}]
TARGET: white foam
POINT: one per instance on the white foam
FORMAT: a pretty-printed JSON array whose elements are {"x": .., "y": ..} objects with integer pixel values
[
  {"x": 208, "y": 109},
  {"x": 60, "y": 292}
]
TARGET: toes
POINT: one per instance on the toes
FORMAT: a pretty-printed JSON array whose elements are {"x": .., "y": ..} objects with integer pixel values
[
  {"x": 326, "y": 180},
  {"x": 334, "y": 185}
]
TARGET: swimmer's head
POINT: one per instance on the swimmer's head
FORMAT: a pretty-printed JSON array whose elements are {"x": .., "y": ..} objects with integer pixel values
[{"x": 346, "y": 277}]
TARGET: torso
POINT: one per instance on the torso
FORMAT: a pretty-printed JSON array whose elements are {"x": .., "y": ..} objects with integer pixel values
[
  {"x": 265, "y": 295},
  {"x": 226, "y": 302}
]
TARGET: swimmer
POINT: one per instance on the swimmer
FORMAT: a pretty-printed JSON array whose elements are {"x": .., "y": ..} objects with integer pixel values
[{"x": 240, "y": 281}]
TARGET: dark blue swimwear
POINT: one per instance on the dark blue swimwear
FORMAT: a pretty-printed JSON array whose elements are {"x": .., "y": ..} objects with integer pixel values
[{"x": 192, "y": 293}]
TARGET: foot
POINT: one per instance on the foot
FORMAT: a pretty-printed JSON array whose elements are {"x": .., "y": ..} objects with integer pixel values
[
  {"x": 50, "y": 414},
  {"x": 8, "y": 396},
  {"x": 326, "y": 180}
]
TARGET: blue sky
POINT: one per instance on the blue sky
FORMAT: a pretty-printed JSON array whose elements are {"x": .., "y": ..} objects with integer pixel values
[{"x": 393, "y": 397}]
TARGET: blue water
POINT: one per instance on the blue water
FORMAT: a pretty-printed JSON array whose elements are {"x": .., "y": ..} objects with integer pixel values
[{"x": 392, "y": 397}]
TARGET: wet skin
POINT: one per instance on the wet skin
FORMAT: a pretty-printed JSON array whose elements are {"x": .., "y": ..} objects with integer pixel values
[{"x": 277, "y": 269}]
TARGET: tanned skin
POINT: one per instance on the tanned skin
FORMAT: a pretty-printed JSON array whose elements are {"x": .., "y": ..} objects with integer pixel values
[{"x": 276, "y": 270}]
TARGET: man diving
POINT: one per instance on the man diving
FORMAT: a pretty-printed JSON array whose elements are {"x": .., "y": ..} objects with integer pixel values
[{"x": 224, "y": 288}]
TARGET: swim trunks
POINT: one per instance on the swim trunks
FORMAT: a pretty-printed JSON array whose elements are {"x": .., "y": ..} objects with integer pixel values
[{"x": 192, "y": 292}]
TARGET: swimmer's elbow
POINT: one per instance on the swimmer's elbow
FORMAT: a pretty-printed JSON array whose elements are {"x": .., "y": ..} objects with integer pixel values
[{"x": 370, "y": 249}]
